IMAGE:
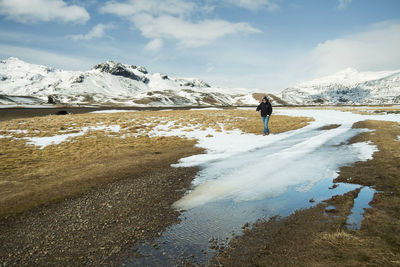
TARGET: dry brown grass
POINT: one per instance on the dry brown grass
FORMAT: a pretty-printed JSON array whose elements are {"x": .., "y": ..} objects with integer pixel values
[
  {"x": 383, "y": 172},
  {"x": 329, "y": 127},
  {"x": 30, "y": 176}
]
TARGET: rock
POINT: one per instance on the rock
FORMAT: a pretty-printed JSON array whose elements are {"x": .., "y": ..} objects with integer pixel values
[
  {"x": 62, "y": 112},
  {"x": 118, "y": 69},
  {"x": 142, "y": 69},
  {"x": 52, "y": 99},
  {"x": 333, "y": 186},
  {"x": 245, "y": 225},
  {"x": 79, "y": 79}
]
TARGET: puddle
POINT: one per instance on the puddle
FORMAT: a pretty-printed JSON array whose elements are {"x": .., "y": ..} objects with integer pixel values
[
  {"x": 220, "y": 220},
  {"x": 361, "y": 202},
  {"x": 230, "y": 192}
]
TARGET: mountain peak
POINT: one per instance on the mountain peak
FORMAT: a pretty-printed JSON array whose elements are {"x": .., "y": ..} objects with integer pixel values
[
  {"x": 119, "y": 69},
  {"x": 348, "y": 86},
  {"x": 13, "y": 60},
  {"x": 111, "y": 82}
]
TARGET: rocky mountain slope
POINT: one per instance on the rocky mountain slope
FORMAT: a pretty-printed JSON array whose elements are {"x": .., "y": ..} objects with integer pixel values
[
  {"x": 109, "y": 83},
  {"x": 347, "y": 87}
]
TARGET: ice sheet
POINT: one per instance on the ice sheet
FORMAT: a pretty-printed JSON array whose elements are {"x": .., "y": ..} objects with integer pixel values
[{"x": 246, "y": 167}]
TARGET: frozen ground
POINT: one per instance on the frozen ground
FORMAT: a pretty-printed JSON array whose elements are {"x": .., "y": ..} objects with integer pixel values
[
  {"x": 246, "y": 167},
  {"x": 246, "y": 177}
]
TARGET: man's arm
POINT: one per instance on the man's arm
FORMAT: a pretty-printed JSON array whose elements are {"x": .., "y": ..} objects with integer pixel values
[
  {"x": 269, "y": 110},
  {"x": 258, "y": 108}
]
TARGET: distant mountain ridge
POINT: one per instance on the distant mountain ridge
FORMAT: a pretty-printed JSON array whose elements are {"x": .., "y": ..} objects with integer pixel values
[
  {"x": 109, "y": 83},
  {"x": 114, "y": 83},
  {"x": 349, "y": 87}
]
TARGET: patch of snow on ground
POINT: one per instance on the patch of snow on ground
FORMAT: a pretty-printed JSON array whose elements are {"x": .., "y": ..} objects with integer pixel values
[
  {"x": 113, "y": 111},
  {"x": 245, "y": 167},
  {"x": 43, "y": 142},
  {"x": 206, "y": 109},
  {"x": 246, "y": 108}
]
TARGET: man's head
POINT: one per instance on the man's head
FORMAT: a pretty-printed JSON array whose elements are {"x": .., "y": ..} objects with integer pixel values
[{"x": 265, "y": 99}]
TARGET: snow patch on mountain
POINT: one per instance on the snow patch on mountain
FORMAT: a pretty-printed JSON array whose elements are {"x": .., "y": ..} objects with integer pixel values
[{"x": 348, "y": 86}]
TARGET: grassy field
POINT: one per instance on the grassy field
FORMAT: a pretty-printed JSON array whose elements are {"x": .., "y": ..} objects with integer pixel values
[{"x": 31, "y": 176}]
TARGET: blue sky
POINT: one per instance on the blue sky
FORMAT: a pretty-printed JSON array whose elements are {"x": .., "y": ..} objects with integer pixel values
[{"x": 263, "y": 44}]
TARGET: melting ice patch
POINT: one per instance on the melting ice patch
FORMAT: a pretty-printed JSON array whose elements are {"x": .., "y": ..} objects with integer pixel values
[
  {"x": 300, "y": 161},
  {"x": 244, "y": 167}
]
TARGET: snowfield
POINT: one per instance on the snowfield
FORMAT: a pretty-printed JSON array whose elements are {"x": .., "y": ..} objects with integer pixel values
[
  {"x": 347, "y": 87},
  {"x": 244, "y": 167}
]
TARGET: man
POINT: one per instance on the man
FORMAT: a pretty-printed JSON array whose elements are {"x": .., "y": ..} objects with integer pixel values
[{"x": 266, "y": 110}]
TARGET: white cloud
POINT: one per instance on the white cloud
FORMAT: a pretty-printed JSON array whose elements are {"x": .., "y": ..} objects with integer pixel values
[
  {"x": 377, "y": 48},
  {"x": 210, "y": 68},
  {"x": 255, "y": 5},
  {"x": 343, "y": 4},
  {"x": 45, "y": 57},
  {"x": 171, "y": 19},
  {"x": 154, "y": 45},
  {"x": 97, "y": 31},
  {"x": 27, "y": 11},
  {"x": 188, "y": 34},
  {"x": 179, "y": 8}
]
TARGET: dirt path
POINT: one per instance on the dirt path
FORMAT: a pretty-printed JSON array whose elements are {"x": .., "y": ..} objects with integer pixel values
[{"x": 99, "y": 226}]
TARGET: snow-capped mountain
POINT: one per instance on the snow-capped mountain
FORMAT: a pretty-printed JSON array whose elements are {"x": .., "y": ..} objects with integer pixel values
[
  {"x": 347, "y": 87},
  {"x": 109, "y": 83}
]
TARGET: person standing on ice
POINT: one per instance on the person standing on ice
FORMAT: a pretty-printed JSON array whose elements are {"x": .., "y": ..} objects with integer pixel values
[{"x": 266, "y": 110}]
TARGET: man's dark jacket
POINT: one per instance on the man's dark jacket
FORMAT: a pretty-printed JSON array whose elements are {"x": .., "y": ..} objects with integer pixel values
[{"x": 266, "y": 109}]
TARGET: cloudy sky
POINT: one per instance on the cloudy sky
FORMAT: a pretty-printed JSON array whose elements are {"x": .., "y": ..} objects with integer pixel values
[{"x": 263, "y": 44}]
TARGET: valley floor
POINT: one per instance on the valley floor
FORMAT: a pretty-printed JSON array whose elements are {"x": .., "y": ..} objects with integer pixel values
[{"x": 84, "y": 189}]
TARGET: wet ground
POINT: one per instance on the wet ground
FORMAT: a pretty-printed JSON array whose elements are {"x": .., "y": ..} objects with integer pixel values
[
  {"x": 287, "y": 172},
  {"x": 294, "y": 171}
]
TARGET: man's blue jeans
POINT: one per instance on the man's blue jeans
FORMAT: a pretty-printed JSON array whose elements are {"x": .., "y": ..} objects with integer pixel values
[{"x": 265, "y": 122}]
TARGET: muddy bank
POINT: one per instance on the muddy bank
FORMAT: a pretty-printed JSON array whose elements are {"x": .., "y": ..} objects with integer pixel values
[
  {"x": 320, "y": 236},
  {"x": 97, "y": 227}
]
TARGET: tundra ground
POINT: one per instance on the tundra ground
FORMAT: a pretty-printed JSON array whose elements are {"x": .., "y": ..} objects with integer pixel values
[{"x": 106, "y": 187}]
